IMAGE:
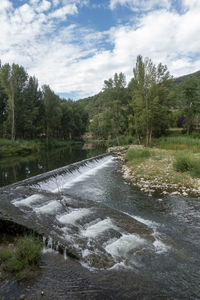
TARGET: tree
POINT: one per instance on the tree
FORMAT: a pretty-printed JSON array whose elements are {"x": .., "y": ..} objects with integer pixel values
[
  {"x": 191, "y": 102},
  {"x": 13, "y": 79},
  {"x": 52, "y": 113},
  {"x": 150, "y": 99}
]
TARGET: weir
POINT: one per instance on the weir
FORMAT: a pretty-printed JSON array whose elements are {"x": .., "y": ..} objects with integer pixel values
[{"x": 99, "y": 236}]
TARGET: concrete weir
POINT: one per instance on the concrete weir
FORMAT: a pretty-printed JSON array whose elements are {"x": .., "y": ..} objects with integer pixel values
[{"x": 99, "y": 236}]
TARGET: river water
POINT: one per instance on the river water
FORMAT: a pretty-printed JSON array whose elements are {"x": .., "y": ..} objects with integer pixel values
[{"x": 150, "y": 245}]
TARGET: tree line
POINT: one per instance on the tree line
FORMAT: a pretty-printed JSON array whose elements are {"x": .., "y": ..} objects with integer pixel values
[
  {"x": 28, "y": 111},
  {"x": 146, "y": 107}
]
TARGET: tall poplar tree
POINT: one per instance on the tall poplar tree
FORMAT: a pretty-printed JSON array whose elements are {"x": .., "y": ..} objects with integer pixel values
[
  {"x": 13, "y": 79},
  {"x": 151, "y": 98}
]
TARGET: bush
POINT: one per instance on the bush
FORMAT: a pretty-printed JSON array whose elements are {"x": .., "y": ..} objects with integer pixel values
[
  {"x": 184, "y": 162},
  {"x": 13, "y": 265},
  {"x": 5, "y": 254},
  {"x": 28, "y": 250}
]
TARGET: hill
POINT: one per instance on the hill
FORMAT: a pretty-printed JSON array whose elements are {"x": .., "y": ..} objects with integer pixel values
[{"x": 96, "y": 104}]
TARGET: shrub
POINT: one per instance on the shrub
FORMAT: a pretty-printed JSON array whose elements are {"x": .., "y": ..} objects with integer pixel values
[
  {"x": 183, "y": 162},
  {"x": 5, "y": 254},
  {"x": 13, "y": 265},
  {"x": 28, "y": 250}
]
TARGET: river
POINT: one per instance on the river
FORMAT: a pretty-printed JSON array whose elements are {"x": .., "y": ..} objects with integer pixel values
[{"x": 159, "y": 261}]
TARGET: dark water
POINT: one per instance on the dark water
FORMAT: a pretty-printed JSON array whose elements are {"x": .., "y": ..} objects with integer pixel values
[
  {"x": 169, "y": 269},
  {"x": 16, "y": 169}
]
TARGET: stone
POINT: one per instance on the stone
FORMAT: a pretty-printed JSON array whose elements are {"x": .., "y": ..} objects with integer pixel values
[
  {"x": 22, "y": 297},
  {"x": 175, "y": 193},
  {"x": 185, "y": 194}
]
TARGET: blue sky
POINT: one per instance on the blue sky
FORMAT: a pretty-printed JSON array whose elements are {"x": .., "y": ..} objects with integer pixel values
[{"x": 74, "y": 45}]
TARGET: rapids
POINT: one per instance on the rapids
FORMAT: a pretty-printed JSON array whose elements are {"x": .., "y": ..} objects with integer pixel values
[{"x": 93, "y": 215}]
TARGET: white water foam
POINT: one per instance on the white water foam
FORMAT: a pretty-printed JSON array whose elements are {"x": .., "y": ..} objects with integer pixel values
[
  {"x": 122, "y": 246},
  {"x": 49, "y": 208},
  {"x": 149, "y": 223},
  {"x": 159, "y": 246},
  {"x": 67, "y": 180},
  {"x": 98, "y": 228},
  {"x": 28, "y": 201},
  {"x": 73, "y": 216}
]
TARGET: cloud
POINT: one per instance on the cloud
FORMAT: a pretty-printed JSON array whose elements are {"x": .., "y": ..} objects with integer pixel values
[
  {"x": 138, "y": 5},
  {"x": 62, "y": 12},
  {"x": 74, "y": 59}
]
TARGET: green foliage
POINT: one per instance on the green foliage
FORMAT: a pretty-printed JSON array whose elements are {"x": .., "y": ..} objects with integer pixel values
[
  {"x": 178, "y": 143},
  {"x": 137, "y": 155},
  {"x": 27, "y": 112},
  {"x": 18, "y": 147},
  {"x": 28, "y": 250},
  {"x": 13, "y": 265},
  {"x": 150, "y": 99},
  {"x": 185, "y": 162},
  {"x": 23, "y": 258},
  {"x": 5, "y": 254},
  {"x": 121, "y": 141}
]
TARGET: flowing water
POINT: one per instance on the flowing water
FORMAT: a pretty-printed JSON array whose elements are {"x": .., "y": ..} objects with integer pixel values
[{"x": 140, "y": 247}]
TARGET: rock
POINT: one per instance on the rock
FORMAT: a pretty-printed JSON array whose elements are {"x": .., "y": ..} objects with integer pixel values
[
  {"x": 185, "y": 194},
  {"x": 22, "y": 297},
  {"x": 165, "y": 193},
  {"x": 175, "y": 193}
]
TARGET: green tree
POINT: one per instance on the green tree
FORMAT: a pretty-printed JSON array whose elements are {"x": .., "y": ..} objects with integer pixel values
[
  {"x": 151, "y": 98},
  {"x": 52, "y": 113},
  {"x": 13, "y": 79},
  {"x": 191, "y": 102}
]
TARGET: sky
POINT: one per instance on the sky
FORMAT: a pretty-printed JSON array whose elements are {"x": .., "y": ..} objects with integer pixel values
[{"x": 74, "y": 45}]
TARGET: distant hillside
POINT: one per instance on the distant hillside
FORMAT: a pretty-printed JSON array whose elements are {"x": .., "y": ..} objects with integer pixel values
[
  {"x": 97, "y": 104},
  {"x": 180, "y": 80}
]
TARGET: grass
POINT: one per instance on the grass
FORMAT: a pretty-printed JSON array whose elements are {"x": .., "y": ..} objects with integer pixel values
[
  {"x": 121, "y": 141},
  {"x": 178, "y": 143},
  {"x": 5, "y": 254},
  {"x": 186, "y": 162},
  {"x": 23, "y": 258},
  {"x": 137, "y": 155},
  {"x": 170, "y": 169},
  {"x": 23, "y": 148},
  {"x": 19, "y": 147}
]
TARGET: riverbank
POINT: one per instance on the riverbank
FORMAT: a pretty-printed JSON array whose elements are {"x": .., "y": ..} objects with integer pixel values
[
  {"x": 24, "y": 148},
  {"x": 153, "y": 170}
]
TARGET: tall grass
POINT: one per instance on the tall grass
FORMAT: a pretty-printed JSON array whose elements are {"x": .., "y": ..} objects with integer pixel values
[
  {"x": 121, "y": 141},
  {"x": 185, "y": 162},
  {"x": 137, "y": 155},
  {"x": 178, "y": 143},
  {"x": 22, "y": 257}
]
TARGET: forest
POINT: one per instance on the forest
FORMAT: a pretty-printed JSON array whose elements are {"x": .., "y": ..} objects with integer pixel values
[
  {"x": 144, "y": 108},
  {"x": 30, "y": 112}
]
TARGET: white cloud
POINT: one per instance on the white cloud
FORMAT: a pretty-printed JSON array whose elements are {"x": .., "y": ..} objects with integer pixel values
[
  {"x": 61, "y": 13},
  {"x": 75, "y": 60},
  {"x": 44, "y": 6},
  {"x": 136, "y": 5}
]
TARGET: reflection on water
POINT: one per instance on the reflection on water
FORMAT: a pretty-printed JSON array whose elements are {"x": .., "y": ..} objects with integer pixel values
[{"x": 19, "y": 168}]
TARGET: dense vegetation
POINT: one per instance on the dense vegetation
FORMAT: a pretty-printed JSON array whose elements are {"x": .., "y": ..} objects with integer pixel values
[
  {"x": 151, "y": 103},
  {"x": 22, "y": 259},
  {"x": 28, "y": 112},
  {"x": 121, "y": 113}
]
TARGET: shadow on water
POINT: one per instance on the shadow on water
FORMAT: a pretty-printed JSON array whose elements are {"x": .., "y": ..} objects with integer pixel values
[{"x": 19, "y": 168}]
